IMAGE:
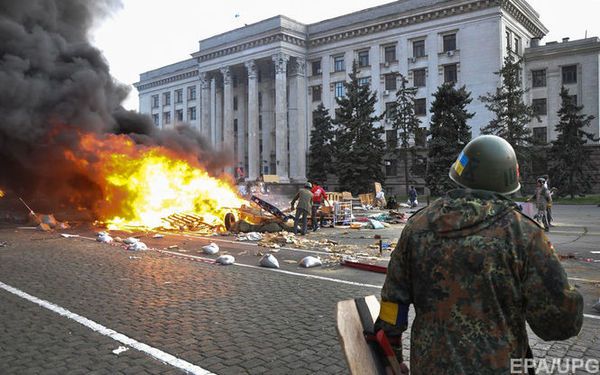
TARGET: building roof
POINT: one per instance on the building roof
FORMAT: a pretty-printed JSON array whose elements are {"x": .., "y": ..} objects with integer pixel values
[{"x": 565, "y": 47}]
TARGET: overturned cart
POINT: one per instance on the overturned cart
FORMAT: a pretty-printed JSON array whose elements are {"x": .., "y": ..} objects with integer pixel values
[{"x": 261, "y": 217}]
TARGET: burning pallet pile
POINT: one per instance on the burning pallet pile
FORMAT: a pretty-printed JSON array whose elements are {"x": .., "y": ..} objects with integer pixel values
[{"x": 189, "y": 222}]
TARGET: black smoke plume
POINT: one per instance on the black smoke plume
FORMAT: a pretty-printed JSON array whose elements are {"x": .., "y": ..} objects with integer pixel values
[{"x": 53, "y": 82}]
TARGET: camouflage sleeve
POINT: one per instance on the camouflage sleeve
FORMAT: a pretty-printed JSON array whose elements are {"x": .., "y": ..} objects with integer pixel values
[
  {"x": 396, "y": 293},
  {"x": 554, "y": 309}
]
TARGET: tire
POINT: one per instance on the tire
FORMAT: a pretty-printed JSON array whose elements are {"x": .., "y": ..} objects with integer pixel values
[{"x": 229, "y": 220}]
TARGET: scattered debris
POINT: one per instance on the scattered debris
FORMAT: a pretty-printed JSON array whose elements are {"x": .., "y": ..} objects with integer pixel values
[
  {"x": 134, "y": 257},
  {"x": 104, "y": 237},
  {"x": 157, "y": 235},
  {"x": 173, "y": 247},
  {"x": 130, "y": 241},
  {"x": 310, "y": 261},
  {"x": 226, "y": 260},
  {"x": 269, "y": 261},
  {"x": 211, "y": 249},
  {"x": 44, "y": 227},
  {"x": 597, "y": 306},
  {"x": 120, "y": 350},
  {"x": 137, "y": 246},
  {"x": 251, "y": 236},
  {"x": 3, "y": 244},
  {"x": 66, "y": 235}
]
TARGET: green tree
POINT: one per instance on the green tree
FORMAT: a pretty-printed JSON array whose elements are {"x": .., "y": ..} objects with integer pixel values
[
  {"x": 449, "y": 133},
  {"x": 359, "y": 146},
  {"x": 321, "y": 151},
  {"x": 572, "y": 168},
  {"x": 405, "y": 123},
  {"x": 511, "y": 114}
]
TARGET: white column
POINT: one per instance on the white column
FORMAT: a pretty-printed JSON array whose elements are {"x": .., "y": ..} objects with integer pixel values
[
  {"x": 281, "y": 132},
  {"x": 213, "y": 111},
  {"x": 227, "y": 114},
  {"x": 219, "y": 122},
  {"x": 205, "y": 106},
  {"x": 242, "y": 125},
  {"x": 297, "y": 120},
  {"x": 253, "y": 154}
]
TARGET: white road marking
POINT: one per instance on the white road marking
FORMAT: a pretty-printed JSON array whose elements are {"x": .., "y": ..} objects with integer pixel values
[
  {"x": 279, "y": 248},
  {"x": 591, "y": 316},
  {"x": 153, "y": 352},
  {"x": 584, "y": 280},
  {"x": 276, "y": 270}
]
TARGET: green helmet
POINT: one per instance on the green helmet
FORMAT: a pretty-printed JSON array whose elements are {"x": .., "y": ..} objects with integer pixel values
[{"x": 488, "y": 162}]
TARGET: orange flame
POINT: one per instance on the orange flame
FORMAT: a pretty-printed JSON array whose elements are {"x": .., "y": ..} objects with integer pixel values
[
  {"x": 142, "y": 185},
  {"x": 1, "y": 193}
]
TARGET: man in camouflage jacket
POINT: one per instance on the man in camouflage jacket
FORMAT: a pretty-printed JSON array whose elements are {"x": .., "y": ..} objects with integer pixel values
[{"x": 476, "y": 270}]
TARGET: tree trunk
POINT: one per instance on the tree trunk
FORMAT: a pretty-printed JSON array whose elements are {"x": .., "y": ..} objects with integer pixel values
[{"x": 406, "y": 169}]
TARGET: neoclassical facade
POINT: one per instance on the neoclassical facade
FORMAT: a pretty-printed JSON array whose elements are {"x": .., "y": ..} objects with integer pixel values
[{"x": 253, "y": 90}]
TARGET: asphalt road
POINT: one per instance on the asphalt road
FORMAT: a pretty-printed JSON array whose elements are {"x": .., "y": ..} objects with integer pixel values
[{"x": 177, "y": 311}]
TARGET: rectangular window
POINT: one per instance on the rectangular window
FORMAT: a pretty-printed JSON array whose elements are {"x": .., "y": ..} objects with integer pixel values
[
  {"x": 389, "y": 54},
  {"x": 340, "y": 90},
  {"x": 166, "y": 118},
  {"x": 167, "y": 98},
  {"x": 155, "y": 119},
  {"x": 338, "y": 63},
  {"x": 508, "y": 41},
  {"x": 391, "y": 137},
  {"x": 539, "y": 106},
  {"x": 260, "y": 100},
  {"x": 191, "y": 91},
  {"x": 572, "y": 99},
  {"x": 390, "y": 82},
  {"x": 179, "y": 115},
  {"x": 192, "y": 113},
  {"x": 259, "y": 122},
  {"x": 154, "y": 101},
  {"x": 450, "y": 73},
  {"x": 419, "y": 78},
  {"x": 420, "y": 137},
  {"x": 316, "y": 93},
  {"x": 517, "y": 44},
  {"x": 316, "y": 67},
  {"x": 569, "y": 74},
  {"x": 363, "y": 58},
  {"x": 235, "y": 125},
  {"x": 364, "y": 81},
  {"x": 540, "y": 134},
  {"x": 419, "y": 48},
  {"x": 235, "y": 103},
  {"x": 390, "y": 167},
  {"x": 538, "y": 78},
  {"x": 390, "y": 108},
  {"x": 235, "y": 81},
  {"x": 421, "y": 107},
  {"x": 449, "y": 42},
  {"x": 179, "y": 96}
]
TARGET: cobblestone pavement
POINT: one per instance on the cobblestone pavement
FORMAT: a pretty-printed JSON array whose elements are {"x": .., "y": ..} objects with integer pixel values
[{"x": 228, "y": 320}]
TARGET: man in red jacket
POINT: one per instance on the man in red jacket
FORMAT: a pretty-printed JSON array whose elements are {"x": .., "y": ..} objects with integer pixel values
[{"x": 319, "y": 195}]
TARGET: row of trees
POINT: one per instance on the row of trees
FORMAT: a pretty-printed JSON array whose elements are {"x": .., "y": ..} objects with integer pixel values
[{"x": 352, "y": 148}]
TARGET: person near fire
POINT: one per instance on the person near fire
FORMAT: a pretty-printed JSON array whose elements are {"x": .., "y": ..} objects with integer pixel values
[
  {"x": 304, "y": 198},
  {"x": 319, "y": 196},
  {"x": 476, "y": 271}
]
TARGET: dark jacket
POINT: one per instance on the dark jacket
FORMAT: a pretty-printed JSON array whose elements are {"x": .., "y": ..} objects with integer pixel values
[
  {"x": 476, "y": 270},
  {"x": 304, "y": 198}
]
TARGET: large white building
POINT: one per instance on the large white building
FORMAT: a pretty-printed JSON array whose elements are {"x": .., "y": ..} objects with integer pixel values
[{"x": 254, "y": 89}]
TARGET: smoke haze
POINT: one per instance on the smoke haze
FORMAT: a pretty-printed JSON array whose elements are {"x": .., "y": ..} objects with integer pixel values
[{"x": 55, "y": 85}]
